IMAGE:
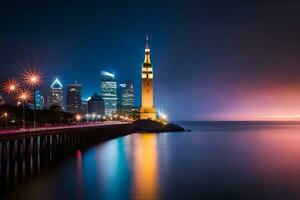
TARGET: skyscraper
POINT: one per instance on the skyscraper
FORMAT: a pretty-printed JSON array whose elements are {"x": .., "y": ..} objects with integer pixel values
[
  {"x": 56, "y": 95},
  {"x": 39, "y": 100},
  {"x": 96, "y": 105},
  {"x": 125, "y": 95},
  {"x": 109, "y": 92},
  {"x": 147, "y": 109},
  {"x": 74, "y": 102}
]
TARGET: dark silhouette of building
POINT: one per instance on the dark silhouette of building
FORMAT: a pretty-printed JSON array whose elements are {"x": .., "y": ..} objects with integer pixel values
[
  {"x": 74, "y": 102},
  {"x": 96, "y": 105},
  {"x": 1, "y": 100}
]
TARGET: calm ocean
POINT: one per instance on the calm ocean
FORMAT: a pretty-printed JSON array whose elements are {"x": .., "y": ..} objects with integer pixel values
[{"x": 217, "y": 160}]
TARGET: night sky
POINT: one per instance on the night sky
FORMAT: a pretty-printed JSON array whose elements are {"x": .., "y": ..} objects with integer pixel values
[{"x": 212, "y": 61}]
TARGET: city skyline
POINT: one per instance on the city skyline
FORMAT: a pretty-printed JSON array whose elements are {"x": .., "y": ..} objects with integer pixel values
[
  {"x": 229, "y": 61},
  {"x": 157, "y": 100}
]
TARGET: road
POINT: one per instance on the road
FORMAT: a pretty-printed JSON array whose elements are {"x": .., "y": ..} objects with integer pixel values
[{"x": 83, "y": 125}]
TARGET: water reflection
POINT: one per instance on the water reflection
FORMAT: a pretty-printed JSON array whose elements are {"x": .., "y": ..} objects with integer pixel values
[
  {"x": 145, "y": 173},
  {"x": 79, "y": 175},
  {"x": 212, "y": 162},
  {"x": 113, "y": 170}
]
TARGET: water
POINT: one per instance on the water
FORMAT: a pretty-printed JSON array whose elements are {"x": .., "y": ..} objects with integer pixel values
[{"x": 214, "y": 161}]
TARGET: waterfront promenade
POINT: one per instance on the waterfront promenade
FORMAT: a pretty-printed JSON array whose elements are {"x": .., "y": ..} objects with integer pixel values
[{"x": 12, "y": 134}]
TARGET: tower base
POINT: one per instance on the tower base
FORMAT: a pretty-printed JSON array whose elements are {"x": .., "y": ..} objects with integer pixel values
[
  {"x": 148, "y": 113},
  {"x": 151, "y": 116}
]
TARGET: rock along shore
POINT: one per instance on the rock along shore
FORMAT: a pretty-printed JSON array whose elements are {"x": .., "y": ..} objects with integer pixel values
[{"x": 150, "y": 126}]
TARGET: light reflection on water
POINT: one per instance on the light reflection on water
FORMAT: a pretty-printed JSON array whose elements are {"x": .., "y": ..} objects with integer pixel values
[
  {"x": 215, "y": 161},
  {"x": 145, "y": 165}
]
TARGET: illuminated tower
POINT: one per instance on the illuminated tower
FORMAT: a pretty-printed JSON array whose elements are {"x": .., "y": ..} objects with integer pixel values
[{"x": 147, "y": 109}]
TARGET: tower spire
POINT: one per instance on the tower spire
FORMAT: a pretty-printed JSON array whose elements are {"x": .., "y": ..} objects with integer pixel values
[
  {"x": 147, "y": 51},
  {"x": 147, "y": 42}
]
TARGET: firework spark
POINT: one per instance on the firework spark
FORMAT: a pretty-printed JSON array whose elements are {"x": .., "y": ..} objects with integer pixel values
[
  {"x": 11, "y": 86},
  {"x": 24, "y": 95},
  {"x": 32, "y": 78}
]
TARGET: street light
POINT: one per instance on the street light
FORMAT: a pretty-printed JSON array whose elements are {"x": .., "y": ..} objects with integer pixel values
[
  {"x": 6, "y": 116},
  {"x": 33, "y": 79},
  {"x": 78, "y": 118},
  {"x": 23, "y": 97}
]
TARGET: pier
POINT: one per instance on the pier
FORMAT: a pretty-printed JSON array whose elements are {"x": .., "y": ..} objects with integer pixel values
[{"x": 26, "y": 152}]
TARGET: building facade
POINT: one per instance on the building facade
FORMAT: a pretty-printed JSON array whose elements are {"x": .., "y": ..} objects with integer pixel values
[
  {"x": 108, "y": 92},
  {"x": 125, "y": 95},
  {"x": 56, "y": 95},
  {"x": 96, "y": 105},
  {"x": 84, "y": 107},
  {"x": 39, "y": 100},
  {"x": 73, "y": 98},
  {"x": 147, "y": 110}
]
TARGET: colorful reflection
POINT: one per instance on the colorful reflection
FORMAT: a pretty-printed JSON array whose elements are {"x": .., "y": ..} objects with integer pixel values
[
  {"x": 145, "y": 161},
  {"x": 79, "y": 175},
  {"x": 112, "y": 176}
]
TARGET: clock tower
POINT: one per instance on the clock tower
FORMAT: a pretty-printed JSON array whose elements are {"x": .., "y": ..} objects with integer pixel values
[{"x": 147, "y": 109}]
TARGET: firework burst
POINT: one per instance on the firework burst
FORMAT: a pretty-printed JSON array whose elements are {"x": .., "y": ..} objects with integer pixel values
[
  {"x": 32, "y": 78},
  {"x": 24, "y": 95},
  {"x": 11, "y": 86}
]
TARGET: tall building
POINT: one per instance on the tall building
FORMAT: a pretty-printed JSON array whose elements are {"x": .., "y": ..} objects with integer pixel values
[
  {"x": 96, "y": 105},
  {"x": 74, "y": 102},
  {"x": 125, "y": 95},
  {"x": 56, "y": 95},
  {"x": 109, "y": 92},
  {"x": 39, "y": 100},
  {"x": 84, "y": 106},
  {"x": 147, "y": 108}
]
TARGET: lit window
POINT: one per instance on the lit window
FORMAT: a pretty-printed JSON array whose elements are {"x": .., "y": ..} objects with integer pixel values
[
  {"x": 150, "y": 69},
  {"x": 145, "y": 69},
  {"x": 150, "y": 76},
  {"x": 144, "y": 75}
]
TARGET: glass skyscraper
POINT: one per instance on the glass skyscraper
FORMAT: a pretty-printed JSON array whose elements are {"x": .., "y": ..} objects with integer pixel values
[
  {"x": 39, "y": 100},
  {"x": 108, "y": 91},
  {"x": 125, "y": 95}
]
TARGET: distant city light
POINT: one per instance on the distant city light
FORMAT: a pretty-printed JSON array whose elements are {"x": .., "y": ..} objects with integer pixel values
[
  {"x": 105, "y": 73},
  {"x": 56, "y": 82},
  {"x": 162, "y": 115},
  {"x": 78, "y": 117}
]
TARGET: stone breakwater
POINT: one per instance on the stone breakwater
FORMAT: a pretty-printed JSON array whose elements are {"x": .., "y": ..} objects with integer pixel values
[{"x": 156, "y": 127}]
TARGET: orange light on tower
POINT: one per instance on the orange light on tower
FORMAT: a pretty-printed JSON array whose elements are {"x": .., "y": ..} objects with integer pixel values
[
  {"x": 32, "y": 78},
  {"x": 11, "y": 86}
]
